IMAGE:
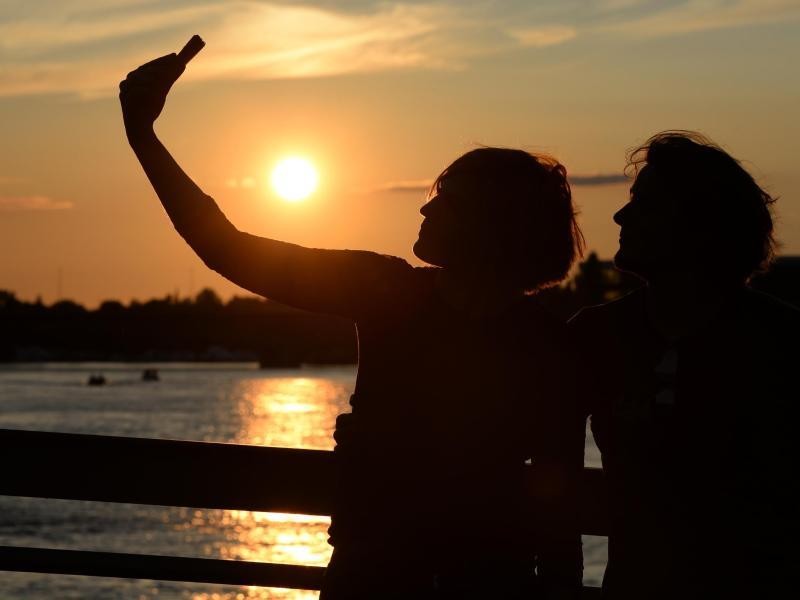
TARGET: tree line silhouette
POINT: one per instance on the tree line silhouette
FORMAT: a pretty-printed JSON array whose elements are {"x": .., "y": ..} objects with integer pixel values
[{"x": 205, "y": 328}]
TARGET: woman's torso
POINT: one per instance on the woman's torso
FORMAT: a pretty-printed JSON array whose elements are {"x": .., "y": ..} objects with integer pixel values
[{"x": 446, "y": 412}]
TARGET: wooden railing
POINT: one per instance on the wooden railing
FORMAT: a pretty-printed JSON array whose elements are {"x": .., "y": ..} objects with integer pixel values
[{"x": 191, "y": 474}]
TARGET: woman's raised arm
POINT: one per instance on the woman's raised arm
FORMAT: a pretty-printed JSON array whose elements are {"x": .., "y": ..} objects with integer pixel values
[{"x": 343, "y": 282}]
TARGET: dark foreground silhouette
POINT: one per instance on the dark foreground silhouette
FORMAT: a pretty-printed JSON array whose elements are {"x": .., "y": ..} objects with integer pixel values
[
  {"x": 692, "y": 399},
  {"x": 462, "y": 376}
]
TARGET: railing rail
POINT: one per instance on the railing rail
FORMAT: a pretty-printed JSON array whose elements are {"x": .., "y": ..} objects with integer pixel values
[
  {"x": 192, "y": 474},
  {"x": 162, "y": 568}
]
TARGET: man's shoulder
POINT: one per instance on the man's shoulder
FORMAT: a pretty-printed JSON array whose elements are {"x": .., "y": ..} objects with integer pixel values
[
  {"x": 771, "y": 306},
  {"x": 772, "y": 316}
]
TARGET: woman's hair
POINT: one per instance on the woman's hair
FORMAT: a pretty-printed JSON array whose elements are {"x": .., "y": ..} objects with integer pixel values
[
  {"x": 526, "y": 199},
  {"x": 727, "y": 214}
]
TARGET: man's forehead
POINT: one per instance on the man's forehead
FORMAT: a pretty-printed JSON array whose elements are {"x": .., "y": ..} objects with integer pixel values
[{"x": 645, "y": 176}]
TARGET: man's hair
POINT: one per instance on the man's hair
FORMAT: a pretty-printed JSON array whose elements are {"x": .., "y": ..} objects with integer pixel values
[
  {"x": 527, "y": 201},
  {"x": 727, "y": 212}
]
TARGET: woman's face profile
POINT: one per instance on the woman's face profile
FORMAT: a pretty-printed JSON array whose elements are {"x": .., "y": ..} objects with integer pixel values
[{"x": 450, "y": 232}]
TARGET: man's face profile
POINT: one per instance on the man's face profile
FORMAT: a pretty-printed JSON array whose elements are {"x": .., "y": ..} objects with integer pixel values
[{"x": 650, "y": 240}]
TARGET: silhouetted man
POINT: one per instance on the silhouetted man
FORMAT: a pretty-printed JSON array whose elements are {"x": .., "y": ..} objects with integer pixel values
[{"x": 691, "y": 400}]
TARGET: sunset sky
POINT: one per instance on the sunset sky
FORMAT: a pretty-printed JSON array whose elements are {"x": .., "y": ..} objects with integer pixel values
[{"x": 380, "y": 97}]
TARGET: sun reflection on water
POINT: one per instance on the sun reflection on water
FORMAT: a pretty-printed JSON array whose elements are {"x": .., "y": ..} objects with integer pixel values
[
  {"x": 295, "y": 412},
  {"x": 257, "y": 592}
]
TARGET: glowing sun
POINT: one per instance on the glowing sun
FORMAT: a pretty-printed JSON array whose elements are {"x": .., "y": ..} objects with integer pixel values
[{"x": 294, "y": 179}]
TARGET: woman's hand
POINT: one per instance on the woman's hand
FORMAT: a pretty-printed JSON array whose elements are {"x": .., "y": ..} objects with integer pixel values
[
  {"x": 346, "y": 428},
  {"x": 143, "y": 92}
]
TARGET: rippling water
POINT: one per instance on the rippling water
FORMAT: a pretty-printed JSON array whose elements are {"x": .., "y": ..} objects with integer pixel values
[{"x": 221, "y": 403}]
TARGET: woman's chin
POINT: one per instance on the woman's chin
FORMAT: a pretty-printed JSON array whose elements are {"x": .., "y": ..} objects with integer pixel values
[{"x": 427, "y": 254}]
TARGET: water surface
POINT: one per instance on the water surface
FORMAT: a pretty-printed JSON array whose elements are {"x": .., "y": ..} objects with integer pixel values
[{"x": 221, "y": 403}]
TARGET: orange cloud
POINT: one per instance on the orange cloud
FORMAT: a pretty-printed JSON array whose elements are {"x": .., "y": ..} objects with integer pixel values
[
  {"x": 539, "y": 37},
  {"x": 246, "y": 40},
  {"x": 246, "y": 182},
  {"x": 704, "y": 15},
  {"x": 28, "y": 203},
  {"x": 424, "y": 185},
  {"x": 86, "y": 48}
]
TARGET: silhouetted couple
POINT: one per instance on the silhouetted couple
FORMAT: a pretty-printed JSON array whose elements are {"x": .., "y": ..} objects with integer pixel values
[
  {"x": 463, "y": 376},
  {"x": 692, "y": 393}
]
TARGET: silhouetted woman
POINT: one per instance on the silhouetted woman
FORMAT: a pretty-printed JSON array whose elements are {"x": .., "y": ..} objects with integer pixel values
[{"x": 462, "y": 376}]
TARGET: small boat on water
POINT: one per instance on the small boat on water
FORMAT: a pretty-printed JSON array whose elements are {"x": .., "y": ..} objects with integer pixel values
[
  {"x": 150, "y": 375},
  {"x": 96, "y": 379}
]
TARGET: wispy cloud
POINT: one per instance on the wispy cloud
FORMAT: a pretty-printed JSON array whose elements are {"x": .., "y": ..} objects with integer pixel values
[
  {"x": 247, "y": 182},
  {"x": 85, "y": 47},
  {"x": 694, "y": 16},
  {"x": 32, "y": 203},
  {"x": 58, "y": 30},
  {"x": 88, "y": 55},
  {"x": 538, "y": 37},
  {"x": 411, "y": 185},
  {"x": 264, "y": 41},
  {"x": 598, "y": 179},
  {"x": 417, "y": 186}
]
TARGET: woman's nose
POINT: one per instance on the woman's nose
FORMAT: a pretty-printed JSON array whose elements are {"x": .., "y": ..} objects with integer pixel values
[{"x": 427, "y": 209}]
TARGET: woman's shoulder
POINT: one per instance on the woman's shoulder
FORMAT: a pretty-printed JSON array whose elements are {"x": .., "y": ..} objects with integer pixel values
[
  {"x": 395, "y": 268},
  {"x": 396, "y": 288}
]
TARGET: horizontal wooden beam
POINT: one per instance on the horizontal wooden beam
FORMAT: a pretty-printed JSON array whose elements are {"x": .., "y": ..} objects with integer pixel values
[
  {"x": 193, "y": 474},
  {"x": 198, "y": 474},
  {"x": 162, "y": 568},
  {"x": 170, "y": 568},
  {"x": 166, "y": 472}
]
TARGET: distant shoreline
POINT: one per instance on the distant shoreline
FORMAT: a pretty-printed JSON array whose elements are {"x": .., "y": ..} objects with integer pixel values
[
  {"x": 173, "y": 362},
  {"x": 206, "y": 329}
]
